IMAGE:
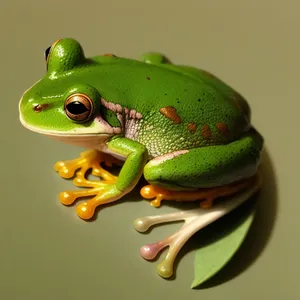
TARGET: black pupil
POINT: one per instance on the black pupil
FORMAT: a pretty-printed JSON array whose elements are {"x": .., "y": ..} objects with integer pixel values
[
  {"x": 76, "y": 108},
  {"x": 47, "y": 52}
]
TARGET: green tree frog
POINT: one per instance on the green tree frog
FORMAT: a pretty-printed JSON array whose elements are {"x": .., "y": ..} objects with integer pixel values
[{"x": 186, "y": 131}]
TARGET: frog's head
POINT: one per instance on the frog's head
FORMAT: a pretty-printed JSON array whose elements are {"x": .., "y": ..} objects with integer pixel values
[{"x": 61, "y": 104}]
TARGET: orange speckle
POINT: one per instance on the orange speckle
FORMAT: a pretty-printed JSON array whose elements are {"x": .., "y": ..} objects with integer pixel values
[
  {"x": 205, "y": 131},
  {"x": 170, "y": 113},
  {"x": 222, "y": 128},
  {"x": 192, "y": 127},
  {"x": 109, "y": 54}
]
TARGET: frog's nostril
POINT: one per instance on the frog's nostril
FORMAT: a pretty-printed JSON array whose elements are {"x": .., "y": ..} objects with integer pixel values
[{"x": 39, "y": 107}]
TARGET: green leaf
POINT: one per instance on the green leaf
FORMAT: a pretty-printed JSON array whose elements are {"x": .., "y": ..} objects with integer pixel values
[{"x": 211, "y": 258}]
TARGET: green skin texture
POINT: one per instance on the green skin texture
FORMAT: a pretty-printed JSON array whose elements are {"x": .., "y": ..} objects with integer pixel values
[{"x": 146, "y": 86}]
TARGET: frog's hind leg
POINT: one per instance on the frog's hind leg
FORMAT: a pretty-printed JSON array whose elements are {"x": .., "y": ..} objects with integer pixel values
[{"x": 203, "y": 173}]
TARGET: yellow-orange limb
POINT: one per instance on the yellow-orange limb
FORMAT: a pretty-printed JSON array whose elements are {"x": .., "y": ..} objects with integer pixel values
[
  {"x": 207, "y": 195},
  {"x": 79, "y": 167},
  {"x": 90, "y": 159}
]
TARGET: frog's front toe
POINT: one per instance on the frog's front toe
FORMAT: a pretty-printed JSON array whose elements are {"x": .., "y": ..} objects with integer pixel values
[
  {"x": 102, "y": 191},
  {"x": 104, "y": 194},
  {"x": 89, "y": 159},
  {"x": 85, "y": 211}
]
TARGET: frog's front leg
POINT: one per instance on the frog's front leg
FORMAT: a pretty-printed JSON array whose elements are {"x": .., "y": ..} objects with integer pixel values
[
  {"x": 112, "y": 188},
  {"x": 203, "y": 173}
]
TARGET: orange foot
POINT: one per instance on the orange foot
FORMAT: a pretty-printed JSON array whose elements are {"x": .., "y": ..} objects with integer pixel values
[
  {"x": 207, "y": 195},
  {"x": 88, "y": 160}
]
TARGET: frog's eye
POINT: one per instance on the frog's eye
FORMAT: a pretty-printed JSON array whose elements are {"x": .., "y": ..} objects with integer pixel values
[
  {"x": 79, "y": 107},
  {"x": 49, "y": 49}
]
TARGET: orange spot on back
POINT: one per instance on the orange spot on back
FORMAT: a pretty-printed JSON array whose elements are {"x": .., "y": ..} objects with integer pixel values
[
  {"x": 109, "y": 54},
  {"x": 222, "y": 128},
  {"x": 170, "y": 113},
  {"x": 192, "y": 127},
  {"x": 205, "y": 131}
]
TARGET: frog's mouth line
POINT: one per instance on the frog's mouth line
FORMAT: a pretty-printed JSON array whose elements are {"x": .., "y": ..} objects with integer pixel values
[
  {"x": 100, "y": 127},
  {"x": 87, "y": 140}
]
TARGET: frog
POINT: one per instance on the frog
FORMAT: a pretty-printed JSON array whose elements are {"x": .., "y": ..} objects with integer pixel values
[{"x": 181, "y": 128}]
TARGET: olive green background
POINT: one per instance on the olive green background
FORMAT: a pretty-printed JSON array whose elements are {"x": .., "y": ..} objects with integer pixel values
[{"x": 46, "y": 251}]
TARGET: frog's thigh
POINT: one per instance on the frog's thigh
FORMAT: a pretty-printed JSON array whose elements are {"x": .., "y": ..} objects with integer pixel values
[{"x": 205, "y": 167}]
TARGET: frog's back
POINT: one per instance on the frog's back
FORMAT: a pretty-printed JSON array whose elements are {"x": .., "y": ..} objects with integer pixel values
[
  {"x": 202, "y": 110},
  {"x": 217, "y": 84},
  {"x": 181, "y": 107}
]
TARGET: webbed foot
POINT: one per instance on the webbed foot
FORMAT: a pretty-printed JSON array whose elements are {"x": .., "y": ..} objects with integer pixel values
[
  {"x": 194, "y": 220},
  {"x": 89, "y": 159},
  {"x": 104, "y": 191}
]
